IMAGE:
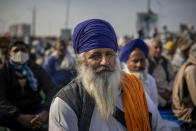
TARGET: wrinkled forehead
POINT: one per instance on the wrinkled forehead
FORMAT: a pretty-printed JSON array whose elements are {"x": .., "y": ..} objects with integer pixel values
[
  {"x": 137, "y": 53},
  {"x": 100, "y": 50},
  {"x": 156, "y": 43}
]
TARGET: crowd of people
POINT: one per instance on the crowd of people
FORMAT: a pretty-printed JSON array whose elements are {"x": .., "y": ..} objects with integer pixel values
[{"x": 101, "y": 83}]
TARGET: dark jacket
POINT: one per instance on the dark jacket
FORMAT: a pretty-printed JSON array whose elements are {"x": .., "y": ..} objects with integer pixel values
[
  {"x": 83, "y": 104},
  {"x": 80, "y": 101},
  {"x": 15, "y": 99}
]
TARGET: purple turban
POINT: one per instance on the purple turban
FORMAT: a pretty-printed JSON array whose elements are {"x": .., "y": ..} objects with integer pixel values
[
  {"x": 127, "y": 49},
  {"x": 94, "y": 33}
]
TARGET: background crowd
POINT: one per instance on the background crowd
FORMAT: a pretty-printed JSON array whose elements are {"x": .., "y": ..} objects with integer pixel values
[{"x": 161, "y": 69}]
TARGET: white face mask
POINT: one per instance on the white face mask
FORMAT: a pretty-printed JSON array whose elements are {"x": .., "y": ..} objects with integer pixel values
[{"x": 19, "y": 57}]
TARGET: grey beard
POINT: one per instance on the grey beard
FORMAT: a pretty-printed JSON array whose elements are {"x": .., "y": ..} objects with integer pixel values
[
  {"x": 102, "y": 84},
  {"x": 141, "y": 75}
]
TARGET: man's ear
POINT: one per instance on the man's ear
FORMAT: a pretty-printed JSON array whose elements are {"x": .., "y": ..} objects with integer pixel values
[{"x": 84, "y": 56}]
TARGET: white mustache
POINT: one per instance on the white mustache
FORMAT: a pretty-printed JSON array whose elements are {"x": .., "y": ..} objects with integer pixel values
[{"x": 105, "y": 69}]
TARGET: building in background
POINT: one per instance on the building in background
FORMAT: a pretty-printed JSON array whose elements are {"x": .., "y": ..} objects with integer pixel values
[{"x": 20, "y": 30}]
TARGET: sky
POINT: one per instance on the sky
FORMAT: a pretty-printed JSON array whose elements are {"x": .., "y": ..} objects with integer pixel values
[{"x": 51, "y": 14}]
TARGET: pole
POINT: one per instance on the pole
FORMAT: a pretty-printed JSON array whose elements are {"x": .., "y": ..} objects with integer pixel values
[
  {"x": 34, "y": 21},
  {"x": 148, "y": 5},
  {"x": 67, "y": 14}
]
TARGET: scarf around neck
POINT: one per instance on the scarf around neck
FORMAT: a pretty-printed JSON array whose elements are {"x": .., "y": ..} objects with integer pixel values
[
  {"x": 135, "y": 104},
  {"x": 26, "y": 71}
]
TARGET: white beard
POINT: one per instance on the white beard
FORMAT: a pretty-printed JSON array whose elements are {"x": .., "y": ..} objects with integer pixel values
[
  {"x": 141, "y": 75},
  {"x": 103, "y": 87}
]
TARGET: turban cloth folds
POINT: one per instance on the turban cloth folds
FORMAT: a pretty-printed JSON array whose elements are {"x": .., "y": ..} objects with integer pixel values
[
  {"x": 129, "y": 47},
  {"x": 92, "y": 34}
]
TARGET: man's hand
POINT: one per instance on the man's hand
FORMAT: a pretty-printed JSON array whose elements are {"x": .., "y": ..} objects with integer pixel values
[
  {"x": 39, "y": 119},
  {"x": 35, "y": 122},
  {"x": 43, "y": 116},
  {"x": 25, "y": 119}
]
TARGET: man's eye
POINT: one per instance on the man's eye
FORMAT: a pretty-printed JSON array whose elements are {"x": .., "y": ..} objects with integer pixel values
[
  {"x": 110, "y": 54},
  {"x": 95, "y": 56},
  {"x": 16, "y": 50},
  {"x": 135, "y": 61},
  {"x": 24, "y": 50}
]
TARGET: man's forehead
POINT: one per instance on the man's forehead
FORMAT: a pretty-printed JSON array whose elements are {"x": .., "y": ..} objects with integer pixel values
[
  {"x": 61, "y": 44},
  {"x": 100, "y": 50},
  {"x": 137, "y": 53},
  {"x": 19, "y": 46},
  {"x": 156, "y": 42}
]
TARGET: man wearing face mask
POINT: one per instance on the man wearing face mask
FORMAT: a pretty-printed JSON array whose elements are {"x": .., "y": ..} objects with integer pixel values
[
  {"x": 61, "y": 65},
  {"x": 21, "y": 81}
]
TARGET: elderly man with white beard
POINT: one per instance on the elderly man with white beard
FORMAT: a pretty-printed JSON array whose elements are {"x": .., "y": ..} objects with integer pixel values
[
  {"x": 102, "y": 97},
  {"x": 133, "y": 58}
]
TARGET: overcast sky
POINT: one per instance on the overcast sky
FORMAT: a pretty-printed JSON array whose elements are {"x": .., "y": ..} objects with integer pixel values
[{"x": 120, "y": 13}]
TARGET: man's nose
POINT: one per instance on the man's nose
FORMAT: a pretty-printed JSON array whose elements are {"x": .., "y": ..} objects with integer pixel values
[
  {"x": 139, "y": 64},
  {"x": 158, "y": 49},
  {"x": 104, "y": 61}
]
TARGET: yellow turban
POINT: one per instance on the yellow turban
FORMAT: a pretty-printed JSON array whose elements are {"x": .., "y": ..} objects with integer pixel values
[{"x": 170, "y": 46}]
